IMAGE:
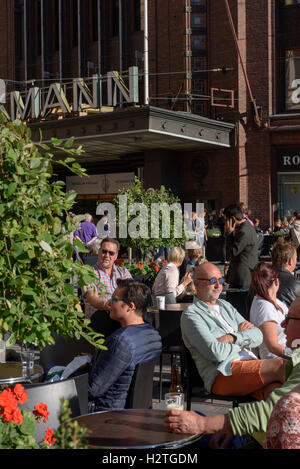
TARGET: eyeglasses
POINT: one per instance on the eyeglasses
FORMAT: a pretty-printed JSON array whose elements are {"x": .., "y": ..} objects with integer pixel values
[
  {"x": 115, "y": 299},
  {"x": 287, "y": 318},
  {"x": 105, "y": 251},
  {"x": 213, "y": 280}
]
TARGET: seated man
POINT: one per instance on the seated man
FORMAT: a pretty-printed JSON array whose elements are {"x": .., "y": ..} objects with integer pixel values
[
  {"x": 284, "y": 257},
  {"x": 96, "y": 304},
  {"x": 251, "y": 419},
  {"x": 219, "y": 339},
  {"x": 134, "y": 342}
]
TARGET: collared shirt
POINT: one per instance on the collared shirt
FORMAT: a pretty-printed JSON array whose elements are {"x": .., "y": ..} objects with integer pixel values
[{"x": 105, "y": 282}]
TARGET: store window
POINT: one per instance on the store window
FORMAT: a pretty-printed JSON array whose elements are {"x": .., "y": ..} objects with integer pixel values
[
  {"x": 198, "y": 41},
  {"x": 292, "y": 79},
  {"x": 198, "y": 20}
]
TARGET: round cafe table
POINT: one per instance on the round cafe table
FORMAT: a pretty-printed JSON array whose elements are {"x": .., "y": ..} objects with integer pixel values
[
  {"x": 132, "y": 429},
  {"x": 11, "y": 373}
]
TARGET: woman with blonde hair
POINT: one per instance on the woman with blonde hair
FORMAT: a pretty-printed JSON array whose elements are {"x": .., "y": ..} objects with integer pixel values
[{"x": 167, "y": 280}]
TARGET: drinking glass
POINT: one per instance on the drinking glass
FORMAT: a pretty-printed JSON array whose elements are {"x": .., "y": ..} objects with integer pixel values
[
  {"x": 27, "y": 358},
  {"x": 174, "y": 400}
]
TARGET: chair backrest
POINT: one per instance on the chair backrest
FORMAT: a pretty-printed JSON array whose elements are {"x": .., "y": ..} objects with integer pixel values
[
  {"x": 170, "y": 298},
  {"x": 50, "y": 394},
  {"x": 63, "y": 351},
  {"x": 192, "y": 374},
  {"x": 82, "y": 384},
  {"x": 238, "y": 299},
  {"x": 90, "y": 260},
  {"x": 169, "y": 328},
  {"x": 141, "y": 387}
]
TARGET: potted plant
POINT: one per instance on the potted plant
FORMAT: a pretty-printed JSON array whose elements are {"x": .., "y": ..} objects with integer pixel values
[
  {"x": 37, "y": 273},
  {"x": 136, "y": 195}
]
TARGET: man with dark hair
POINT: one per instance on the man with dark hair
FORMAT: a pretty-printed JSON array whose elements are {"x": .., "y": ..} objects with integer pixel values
[
  {"x": 134, "y": 342},
  {"x": 284, "y": 257},
  {"x": 243, "y": 244}
]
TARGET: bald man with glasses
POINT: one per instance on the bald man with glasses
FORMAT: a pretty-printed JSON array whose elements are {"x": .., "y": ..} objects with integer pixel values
[{"x": 220, "y": 341}]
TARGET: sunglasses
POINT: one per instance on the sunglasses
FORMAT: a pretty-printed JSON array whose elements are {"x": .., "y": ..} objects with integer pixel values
[
  {"x": 287, "y": 318},
  {"x": 105, "y": 251},
  {"x": 213, "y": 280}
]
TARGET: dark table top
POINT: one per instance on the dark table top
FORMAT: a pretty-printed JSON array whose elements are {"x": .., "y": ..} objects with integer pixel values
[
  {"x": 132, "y": 428},
  {"x": 11, "y": 373}
]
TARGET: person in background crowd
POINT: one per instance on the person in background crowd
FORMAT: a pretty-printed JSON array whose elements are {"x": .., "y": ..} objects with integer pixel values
[
  {"x": 246, "y": 212},
  {"x": 167, "y": 280},
  {"x": 243, "y": 245},
  {"x": 87, "y": 233},
  {"x": 277, "y": 225},
  {"x": 257, "y": 226},
  {"x": 221, "y": 225},
  {"x": 134, "y": 342},
  {"x": 193, "y": 254},
  {"x": 98, "y": 295},
  {"x": 284, "y": 258},
  {"x": 267, "y": 311},
  {"x": 295, "y": 234},
  {"x": 285, "y": 227},
  {"x": 252, "y": 418}
]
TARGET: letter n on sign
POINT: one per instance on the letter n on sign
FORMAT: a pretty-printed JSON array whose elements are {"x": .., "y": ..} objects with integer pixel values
[{"x": 222, "y": 98}]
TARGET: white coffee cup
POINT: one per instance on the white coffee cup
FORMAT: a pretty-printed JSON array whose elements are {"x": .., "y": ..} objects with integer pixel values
[{"x": 160, "y": 302}]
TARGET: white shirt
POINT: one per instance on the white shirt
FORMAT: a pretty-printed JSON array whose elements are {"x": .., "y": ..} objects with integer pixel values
[
  {"x": 245, "y": 354},
  {"x": 167, "y": 281},
  {"x": 262, "y": 311}
]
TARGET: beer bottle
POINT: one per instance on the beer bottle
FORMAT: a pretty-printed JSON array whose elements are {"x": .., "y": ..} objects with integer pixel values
[{"x": 176, "y": 385}]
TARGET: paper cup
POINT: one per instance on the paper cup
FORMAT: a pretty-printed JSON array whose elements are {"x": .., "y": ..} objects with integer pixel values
[{"x": 160, "y": 301}]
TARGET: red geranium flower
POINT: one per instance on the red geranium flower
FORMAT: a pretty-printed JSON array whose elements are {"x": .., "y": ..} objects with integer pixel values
[
  {"x": 152, "y": 264},
  {"x": 8, "y": 399},
  {"x": 20, "y": 393},
  {"x": 41, "y": 410},
  {"x": 49, "y": 438},
  {"x": 140, "y": 266},
  {"x": 119, "y": 261},
  {"x": 156, "y": 268},
  {"x": 165, "y": 261}
]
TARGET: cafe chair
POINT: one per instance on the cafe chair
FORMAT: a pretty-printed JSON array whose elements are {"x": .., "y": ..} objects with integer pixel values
[
  {"x": 64, "y": 350},
  {"x": 194, "y": 386},
  {"x": 172, "y": 344},
  {"x": 239, "y": 300},
  {"x": 50, "y": 394},
  {"x": 140, "y": 392}
]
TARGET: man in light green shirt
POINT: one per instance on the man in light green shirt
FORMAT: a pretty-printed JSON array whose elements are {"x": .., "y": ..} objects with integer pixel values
[{"x": 252, "y": 418}]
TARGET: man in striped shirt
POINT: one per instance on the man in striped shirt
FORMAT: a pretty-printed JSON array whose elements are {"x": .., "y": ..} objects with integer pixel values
[{"x": 108, "y": 273}]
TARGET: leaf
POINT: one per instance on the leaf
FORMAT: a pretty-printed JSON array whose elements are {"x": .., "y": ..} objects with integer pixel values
[
  {"x": 35, "y": 163},
  {"x": 11, "y": 189},
  {"x": 56, "y": 141},
  {"x": 28, "y": 425},
  {"x": 46, "y": 247},
  {"x": 69, "y": 143}
]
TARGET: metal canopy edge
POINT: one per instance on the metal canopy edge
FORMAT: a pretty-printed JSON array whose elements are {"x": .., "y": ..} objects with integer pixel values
[{"x": 136, "y": 129}]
